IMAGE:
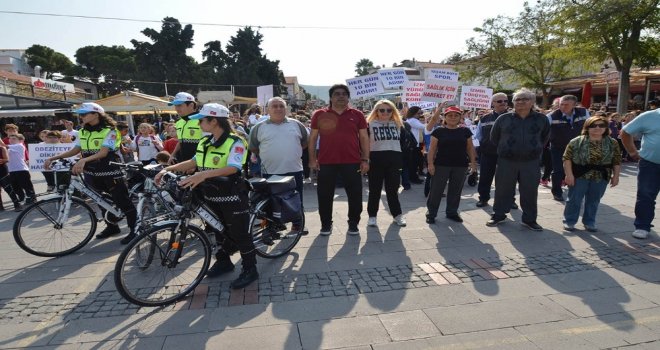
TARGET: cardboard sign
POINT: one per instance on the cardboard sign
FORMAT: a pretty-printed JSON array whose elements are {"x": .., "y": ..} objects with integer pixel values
[
  {"x": 412, "y": 91},
  {"x": 442, "y": 74},
  {"x": 39, "y": 152},
  {"x": 423, "y": 105},
  {"x": 393, "y": 78},
  {"x": 439, "y": 91},
  {"x": 264, "y": 93},
  {"x": 365, "y": 86},
  {"x": 476, "y": 97}
]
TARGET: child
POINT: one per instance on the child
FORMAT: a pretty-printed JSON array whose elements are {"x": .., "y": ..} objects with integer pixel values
[
  {"x": 147, "y": 144},
  {"x": 19, "y": 172},
  {"x": 163, "y": 158}
]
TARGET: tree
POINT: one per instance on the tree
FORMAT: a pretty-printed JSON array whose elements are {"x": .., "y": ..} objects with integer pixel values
[
  {"x": 48, "y": 59},
  {"x": 624, "y": 30},
  {"x": 455, "y": 58},
  {"x": 115, "y": 64},
  {"x": 363, "y": 66},
  {"x": 522, "y": 49}
]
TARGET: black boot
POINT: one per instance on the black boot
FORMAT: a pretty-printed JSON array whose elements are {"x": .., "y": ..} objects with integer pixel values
[
  {"x": 109, "y": 230},
  {"x": 247, "y": 276},
  {"x": 221, "y": 266},
  {"x": 128, "y": 238}
]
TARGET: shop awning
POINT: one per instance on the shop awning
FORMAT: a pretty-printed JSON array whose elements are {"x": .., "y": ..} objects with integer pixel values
[{"x": 17, "y": 113}]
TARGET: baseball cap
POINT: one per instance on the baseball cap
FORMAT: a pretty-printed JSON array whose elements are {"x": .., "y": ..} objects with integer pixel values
[
  {"x": 452, "y": 109},
  {"x": 181, "y": 98},
  {"x": 89, "y": 107},
  {"x": 211, "y": 110}
]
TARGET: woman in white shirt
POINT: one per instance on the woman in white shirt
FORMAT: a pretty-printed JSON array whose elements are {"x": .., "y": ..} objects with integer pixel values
[{"x": 147, "y": 144}]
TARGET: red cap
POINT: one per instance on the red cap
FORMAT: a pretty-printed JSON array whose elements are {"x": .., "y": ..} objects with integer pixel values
[{"x": 452, "y": 109}]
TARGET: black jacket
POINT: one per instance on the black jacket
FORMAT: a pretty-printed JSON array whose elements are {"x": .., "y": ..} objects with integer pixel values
[{"x": 520, "y": 139}]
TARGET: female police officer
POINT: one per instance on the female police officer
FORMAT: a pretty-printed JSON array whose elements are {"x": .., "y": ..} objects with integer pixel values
[
  {"x": 223, "y": 154},
  {"x": 98, "y": 142}
]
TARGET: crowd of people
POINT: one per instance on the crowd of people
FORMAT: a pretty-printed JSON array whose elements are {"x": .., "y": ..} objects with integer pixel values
[{"x": 521, "y": 147}]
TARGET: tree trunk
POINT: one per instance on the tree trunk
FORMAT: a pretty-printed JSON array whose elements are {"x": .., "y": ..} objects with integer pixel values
[
  {"x": 624, "y": 90},
  {"x": 546, "y": 99}
]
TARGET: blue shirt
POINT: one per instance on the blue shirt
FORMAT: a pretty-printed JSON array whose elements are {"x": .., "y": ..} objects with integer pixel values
[{"x": 647, "y": 125}]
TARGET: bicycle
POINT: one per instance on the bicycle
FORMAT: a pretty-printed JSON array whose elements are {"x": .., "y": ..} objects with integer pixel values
[
  {"x": 167, "y": 262},
  {"x": 63, "y": 222}
]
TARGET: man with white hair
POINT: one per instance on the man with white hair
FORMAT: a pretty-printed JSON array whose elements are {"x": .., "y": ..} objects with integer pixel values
[{"x": 520, "y": 136}]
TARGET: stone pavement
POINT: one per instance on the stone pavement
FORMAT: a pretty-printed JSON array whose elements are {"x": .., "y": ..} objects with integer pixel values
[{"x": 447, "y": 285}]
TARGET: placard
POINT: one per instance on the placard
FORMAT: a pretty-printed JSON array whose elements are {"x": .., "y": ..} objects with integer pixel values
[
  {"x": 442, "y": 74},
  {"x": 365, "y": 86},
  {"x": 412, "y": 91},
  {"x": 39, "y": 152},
  {"x": 264, "y": 93},
  {"x": 439, "y": 91},
  {"x": 423, "y": 105},
  {"x": 476, "y": 97},
  {"x": 393, "y": 78}
]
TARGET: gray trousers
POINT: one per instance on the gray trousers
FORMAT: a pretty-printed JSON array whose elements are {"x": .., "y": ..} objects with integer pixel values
[
  {"x": 456, "y": 178},
  {"x": 527, "y": 175}
]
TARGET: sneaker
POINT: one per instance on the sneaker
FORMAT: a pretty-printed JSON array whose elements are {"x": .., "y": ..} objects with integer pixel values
[
  {"x": 558, "y": 198},
  {"x": 640, "y": 234},
  {"x": 514, "y": 206},
  {"x": 532, "y": 226},
  {"x": 372, "y": 222},
  {"x": 128, "y": 238},
  {"x": 455, "y": 217},
  {"x": 481, "y": 204},
  {"x": 568, "y": 227},
  {"x": 220, "y": 267},
  {"x": 326, "y": 230},
  {"x": 400, "y": 220},
  {"x": 353, "y": 229},
  {"x": 590, "y": 228},
  {"x": 495, "y": 220},
  {"x": 430, "y": 220},
  {"x": 247, "y": 276},
  {"x": 108, "y": 231}
]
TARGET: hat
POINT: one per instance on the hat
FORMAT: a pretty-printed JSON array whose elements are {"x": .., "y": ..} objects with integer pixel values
[
  {"x": 181, "y": 98},
  {"x": 452, "y": 109},
  {"x": 89, "y": 107},
  {"x": 211, "y": 110}
]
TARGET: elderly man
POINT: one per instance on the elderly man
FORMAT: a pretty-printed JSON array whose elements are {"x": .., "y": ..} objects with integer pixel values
[
  {"x": 565, "y": 124},
  {"x": 343, "y": 151},
  {"x": 279, "y": 142},
  {"x": 519, "y": 136}
]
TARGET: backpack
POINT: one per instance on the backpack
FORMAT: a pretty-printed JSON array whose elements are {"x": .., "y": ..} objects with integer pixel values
[{"x": 407, "y": 140}]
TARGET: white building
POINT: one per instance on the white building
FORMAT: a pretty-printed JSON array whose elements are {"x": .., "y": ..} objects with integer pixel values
[{"x": 14, "y": 61}]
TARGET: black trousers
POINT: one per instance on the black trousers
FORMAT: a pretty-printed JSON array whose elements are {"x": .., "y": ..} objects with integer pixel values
[
  {"x": 524, "y": 173},
  {"x": 22, "y": 184},
  {"x": 116, "y": 188},
  {"x": 5, "y": 183},
  {"x": 384, "y": 166},
  {"x": 416, "y": 163},
  {"x": 546, "y": 159},
  {"x": 455, "y": 176},
  {"x": 325, "y": 190},
  {"x": 486, "y": 175}
]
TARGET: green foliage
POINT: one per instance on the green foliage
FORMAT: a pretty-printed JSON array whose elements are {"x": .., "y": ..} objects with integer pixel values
[
  {"x": 114, "y": 63},
  {"x": 363, "y": 66},
  {"x": 50, "y": 60}
]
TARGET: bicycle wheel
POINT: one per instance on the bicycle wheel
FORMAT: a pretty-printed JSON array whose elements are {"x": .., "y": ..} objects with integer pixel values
[
  {"x": 37, "y": 231},
  {"x": 147, "y": 274},
  {"x": 145, "y": 217},
  {"x": 271, "y": 238}
]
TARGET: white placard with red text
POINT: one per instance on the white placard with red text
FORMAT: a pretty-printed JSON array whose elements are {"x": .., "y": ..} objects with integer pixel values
[
  {"x": 412, "y": 91},
  {"x": 439, "y": 91},
  {"x": 476, "y": 97}
]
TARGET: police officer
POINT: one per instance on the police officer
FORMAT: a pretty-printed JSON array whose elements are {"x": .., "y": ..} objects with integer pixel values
[
  {"x": 98, "y": 142},
  {"x": 223, "y": 153},
  {"x": 565, "y": 124},
  {"x": 187, "y": 129}
]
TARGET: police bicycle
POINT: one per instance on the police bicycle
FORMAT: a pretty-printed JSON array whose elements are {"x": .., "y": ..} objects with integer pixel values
[
  {"x": 166, "y": 263},
  {"x": 64, "y": 222}
]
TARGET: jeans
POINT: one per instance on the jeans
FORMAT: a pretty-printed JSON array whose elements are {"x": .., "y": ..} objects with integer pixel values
[
  {"x": 557, "y": 155},
  {"x": 648, "y": 185},
  {"x": 325, "y": 190},
  {"x": 486, "y": 175},
  {"x": 455, "y": 175},
  {"x": 589, "y": 190},
  {"x": 385, "y": 167}
]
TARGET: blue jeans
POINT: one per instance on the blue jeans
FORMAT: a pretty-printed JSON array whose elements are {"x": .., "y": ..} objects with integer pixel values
[
  {"x": 648, "y": 185},
  {"x": 557, "y": 155},
  {"x": 591, "y": 192}
]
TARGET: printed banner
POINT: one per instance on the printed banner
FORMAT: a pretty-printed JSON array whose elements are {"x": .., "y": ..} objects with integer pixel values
[
  {"x": 393, "y": 78},
  {"x": 423, "y": 105},
  {"x": 412, "y": 91},
  {"x": 52, "y": 85},
  {"x": 476, "y": 97},
  {"x": 439, "y": 91},
  {"x": 39, "y": 152},
  {"x": 442, "y": 74},
  {"x": 365, "y": 86}
]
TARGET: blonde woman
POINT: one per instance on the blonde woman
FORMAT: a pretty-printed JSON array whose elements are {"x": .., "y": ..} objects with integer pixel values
[
  {"x": 385, "y": 160},
  {"x": 147, "y": 144}
]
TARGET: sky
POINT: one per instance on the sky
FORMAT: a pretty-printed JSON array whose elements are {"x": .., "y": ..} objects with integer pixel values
[{"x": 427, "y": 30}]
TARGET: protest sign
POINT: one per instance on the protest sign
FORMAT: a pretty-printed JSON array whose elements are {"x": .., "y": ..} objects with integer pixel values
[
  {"x": 439, "y": 91},
  {"x": 264, "y": 93},
  {"x": 39, "y": 152},
  {"x": 476, "y": 97},
  {"x": 423, "y": 105},
  {"x": 393, "y": 78},
  {"x": 412, "y": 91},
  {"x": 442, "y": 74},
  {"x": 365, "y": 86}
]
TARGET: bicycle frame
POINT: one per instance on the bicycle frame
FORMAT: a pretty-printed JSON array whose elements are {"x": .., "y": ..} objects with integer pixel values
[{"x": 77, "y": 184}]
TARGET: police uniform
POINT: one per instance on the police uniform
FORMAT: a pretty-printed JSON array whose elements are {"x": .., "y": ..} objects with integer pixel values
[
  {"x": 188, "y": 134},
  {"x": 563, "y": 129}
]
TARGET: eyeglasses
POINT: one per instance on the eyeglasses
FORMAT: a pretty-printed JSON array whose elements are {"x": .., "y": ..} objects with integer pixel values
[
  {"x": 501, "y": 101},
  {"x": 592, "y": 126},
  {"x": 522, "y": 99},
  {"x": 385, "y": 110}
]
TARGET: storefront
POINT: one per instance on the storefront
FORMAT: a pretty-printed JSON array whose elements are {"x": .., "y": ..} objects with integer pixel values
[{"x": 33, "y": 115}]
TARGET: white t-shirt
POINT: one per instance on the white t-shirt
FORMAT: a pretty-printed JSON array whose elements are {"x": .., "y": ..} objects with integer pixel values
[
  {"x": 147, "y": 146},
  {"x": 255, "y": 119},
  {"x": 16, "y": 158},
  {"x": 73, "y": 133}
]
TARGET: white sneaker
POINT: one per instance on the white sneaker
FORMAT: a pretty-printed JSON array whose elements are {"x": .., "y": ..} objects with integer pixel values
[
  {"x": 399, "y": 220},
  {"x": 640, "y": 234},
  {"x": 372, "y": 222},
  {"x": 568, "y": 227}
]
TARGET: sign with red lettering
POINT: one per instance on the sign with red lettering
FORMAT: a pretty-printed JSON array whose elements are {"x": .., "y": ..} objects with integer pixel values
[
  {"x": 412, "y": 91},
  {"x": 439, "y": 91},
  {"x": 476, "y": 97}
]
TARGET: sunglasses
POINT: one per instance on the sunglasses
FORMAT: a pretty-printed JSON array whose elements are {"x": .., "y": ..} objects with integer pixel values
[
  {"x": 501, "y": 101},
  {"x": 385, "y": 110},
  {"x": 592, "y": 126}
]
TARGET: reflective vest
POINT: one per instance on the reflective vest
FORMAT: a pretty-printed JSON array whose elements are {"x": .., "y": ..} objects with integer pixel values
[
  {"x": 210, "y": 156},
  {"x": 189, "y": 133},
  {"x": 91, "y": 143}
]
